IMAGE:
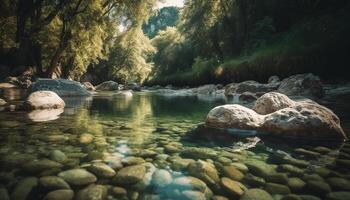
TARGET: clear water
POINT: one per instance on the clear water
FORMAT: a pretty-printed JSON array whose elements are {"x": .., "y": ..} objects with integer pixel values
[{"x": 108, "y": 128}]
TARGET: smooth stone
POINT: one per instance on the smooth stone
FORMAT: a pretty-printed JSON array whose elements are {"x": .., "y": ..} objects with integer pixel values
[
  {"x": 256, "y": 194},
  {"x": 338, "y": 183},
  {"x": 199, "y": 153},
  {"x": 53, "y": 183},
  {"x": 309, "y": 197},
  {"x": 172, "y": 148},
  {"x": 318, "y": 187},
  {"x": 58, "y": 156},
  {"x": 23, "y": 188},
  {"x": 338, "y": 196},
  {"x": 295, "y": 184},
  {"x": 62, "y": 87},
  {"x": 277, "y": 178},
  {"x": 38, "y": 166},
  {"x": 232, "y": 187},
  {"x": 189, "y": 183},
  {"x": 193, "y": 195},
  {"x": 92, "y": 192},
  {"x": 260, "y": 168},
  {"x": 322, "y": 150},
  {"x": 291, "y": 197},
  {"x": 240, "y": 166},
  {"x": 271, "y": 102},
  {"x": 132, "y": 161},
  {"x": 254, "y": 181},
  {"x": 291, "y": 169},
  {"x": 40, "y": 100},
  {"x": 2, "y": 102},
  {"x": 224, "y": 160},
  {"x": 86, "y": 138},
  {"x": 161, "y": 178},
  {"x": 130, "y": 175},
  {"x": 63, "y": 194},
  {"x": 232, "y": 172},
  {"x": 307, "y": 152},
  {"x": 313, "y": 177},
  {"x": 94, "y": 155},
  {"x": 179, "y": 164},
  {"x": 274, "y": 188},
  {"x": 78, "y": 177},
  {"x": 119, "y": 192},
  {"x": 102, "y": 170},
  {"x": 204, "y": 171},
  {"x": 146, "y": 181},
  {"x": 218, "y": 197},
  {"x": 4, "y": 194},
  {"x": 322, "y": 171}
]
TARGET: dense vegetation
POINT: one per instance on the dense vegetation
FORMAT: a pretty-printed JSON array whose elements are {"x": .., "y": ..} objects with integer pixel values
[{"x": 216, "y": 41}]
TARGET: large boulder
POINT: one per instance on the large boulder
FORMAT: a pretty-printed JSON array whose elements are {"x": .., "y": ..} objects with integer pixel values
[
  {"x": 62, "y": 87},
  {"x": 44, "y": 100},
  {"x": 233, "y": 116},
  {"x": 280, "y": 116},
  {"x": 271, "y": 102},
  {"x": 307, "y": 85},
  {"x": 249, "y": 86},
  {"x": 108, "y": 86}
]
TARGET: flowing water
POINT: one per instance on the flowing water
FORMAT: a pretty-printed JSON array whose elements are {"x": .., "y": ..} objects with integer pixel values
[{"x": 144, "y": 147}]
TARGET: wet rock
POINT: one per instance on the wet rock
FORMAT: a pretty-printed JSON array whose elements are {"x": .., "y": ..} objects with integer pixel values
[
  {"x": 92, "y": 192},
  {"x": 309, "y": 197},
  {"x": 254, "y": 181},
  {"x": 4, "y": 194},
  {"x": 307, "y": 85},
  {"x": 130, "y": 175},
  {"x": 232, "y": 187},
  {"x": 260, "y": 168},
  {"x": 147, "y": 178},
  {"x": 58, "y": 156},
  {"x": 313, "y": 177},
  {"x": 338, "y": 183},
  {"x": 132, "y": 160},
  {"x": 63, "y": 194},
  {"x": 217, "y": 197},
  {"x": 274, "y": 188},
  {"x": 147, "y": 153},
  {"x": 2, "y": 102},
  {"x": 318, "y": 187},
  {"x": 204, "y": 171},
  {"x": 274, "y": 79},
  {"x": 61, "y": 87},
  {"x": 248, "y": 86},
  {"x": 94, "y": 155},
  {"x": 322, "y": 171},
  {"x": 338, "y": 196},
  {"x": 247, "y": 97},
  {"x": 101, "y": 170},
  {"x": 161, "y": 178},
  {"x": 189, "y": 183},
  {"x": 322, "y": 150},
  {"x": 119, "y": 192},
  {"x": 291, "y": 169},
  {"x": 295, "y": 184},
  {"x": 307, "y": 152},
  {"x": 53, "y": 183},
  {"x": 38, "y": 166},
  {"x": 86, "y": 138},
  {"x": 240, "y": 166},
  {"x": 44, "y": 100},
  {"x": 24, "y": 188},
  {"x": 193, "y": 195},
  {"x": 179, "y": 164},
  {"x": 78, "y": 177},
  {"x": 277, "y": 178},
  {"x": 232, "y": 172},
  {"x": 291, "y": 197},
  {"x": 271, "y": 102},
  {"x": 14, "y": 160},
  {"x": 200, "y": 153},
  {"x": 254, "y": 194},
  {"x": 108, "y": 86},
  {"x": 172, "y": 148},
  {"x": 88, "y": 86}
]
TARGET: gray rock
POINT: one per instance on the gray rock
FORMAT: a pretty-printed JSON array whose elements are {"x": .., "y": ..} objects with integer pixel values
[
  {"x": 130, "y": 175},
  {"x": 248, "y": 86},
  {"x": 92, "y": 192},
  {"x": 108, "y": 86},
  {"x": 78, "y": 177},
  {"x": 274, "y": 79},
  {"x": 44, "y": 100},
  {"x": 62, "y": 87},
  {"x": 53, "y": 183},
  {"x": 23, "y": 188},
  {"x": 254, "y": 194},
  {"x": 131, "y": 160},
  {"x": 101, "y": 170},
  {"x": 271, "y": 102},
  {"x": 161, "y": 178},
  {"x": 63, "y": 194},
  {"x": 119, "y": 192}
]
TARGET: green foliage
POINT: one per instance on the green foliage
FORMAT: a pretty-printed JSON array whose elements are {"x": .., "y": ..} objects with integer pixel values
[{"x": 167, "y": 16}]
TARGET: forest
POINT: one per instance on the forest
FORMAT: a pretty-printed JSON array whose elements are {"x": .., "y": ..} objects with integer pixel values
[{"x": 216, "y": 41}]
